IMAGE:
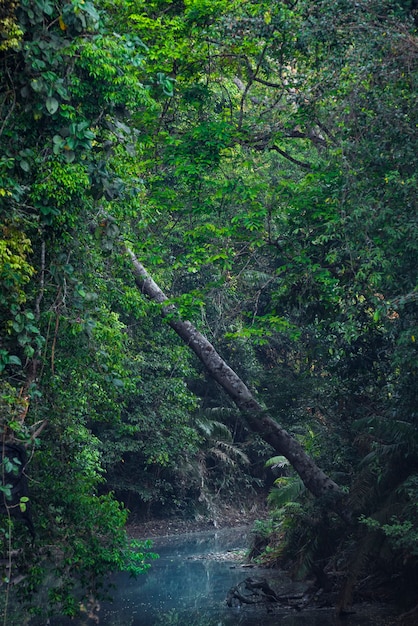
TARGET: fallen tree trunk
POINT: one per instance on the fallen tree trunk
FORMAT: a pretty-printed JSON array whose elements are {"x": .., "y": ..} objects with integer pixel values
[{"x": 315, "y": 480}]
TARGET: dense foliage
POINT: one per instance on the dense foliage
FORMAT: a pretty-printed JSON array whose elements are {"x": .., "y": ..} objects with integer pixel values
[{"x": 261, "y": 160}]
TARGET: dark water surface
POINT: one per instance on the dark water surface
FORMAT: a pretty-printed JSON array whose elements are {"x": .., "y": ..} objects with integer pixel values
[{"x": 183, "y": 589}]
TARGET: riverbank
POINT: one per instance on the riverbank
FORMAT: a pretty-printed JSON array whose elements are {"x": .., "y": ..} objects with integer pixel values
[{"x": 227, "y": 516}]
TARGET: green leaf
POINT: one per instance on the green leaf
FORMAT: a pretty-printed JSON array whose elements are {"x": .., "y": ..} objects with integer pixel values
[
  {"x": 52, "y": 105},
  {"x": 69, "y": 156},
  {"x": 36, "y": 85},
  {"x": 24, "y": 165},
  {"x": 23, "y": 502},
  {"x": 7, "y": 490},
  {"x": 29, "y": 351},
  {"x": 14, "y": 360}
]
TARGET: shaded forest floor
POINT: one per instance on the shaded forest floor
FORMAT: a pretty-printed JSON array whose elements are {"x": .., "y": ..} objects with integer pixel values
[{"x": 226, "y": 516}]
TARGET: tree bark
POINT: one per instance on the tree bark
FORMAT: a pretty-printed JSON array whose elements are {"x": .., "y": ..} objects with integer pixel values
[{"x": 315, "y": 480}]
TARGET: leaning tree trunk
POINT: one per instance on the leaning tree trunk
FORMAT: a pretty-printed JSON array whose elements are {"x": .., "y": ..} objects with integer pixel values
[{"x": 256, "y": 416}]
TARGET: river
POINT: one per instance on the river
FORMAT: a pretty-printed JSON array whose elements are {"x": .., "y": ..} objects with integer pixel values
[{"x": 188, "y": 585}]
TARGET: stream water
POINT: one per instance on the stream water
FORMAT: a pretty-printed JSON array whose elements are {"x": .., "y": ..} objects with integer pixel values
[{"x": 188, "y": 584}]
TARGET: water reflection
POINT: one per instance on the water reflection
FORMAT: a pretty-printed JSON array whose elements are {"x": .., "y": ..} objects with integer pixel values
[{"x": 183, "y": 589}]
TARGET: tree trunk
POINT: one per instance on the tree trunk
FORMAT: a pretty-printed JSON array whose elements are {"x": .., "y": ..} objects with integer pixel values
[{"x": 257, "y": 419}]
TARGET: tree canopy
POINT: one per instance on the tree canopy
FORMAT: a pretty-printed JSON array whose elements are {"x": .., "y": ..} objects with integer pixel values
[{"x": 260, "y": 161}]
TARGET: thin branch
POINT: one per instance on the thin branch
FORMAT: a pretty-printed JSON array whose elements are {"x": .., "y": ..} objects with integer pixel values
[
  {"x": 305, "y": 166},
  {"x": 38, "y": 431},
  {"x": 268, "y": 83},
  {"x": 41, "y": 283},
  {"x": 252, "y": 76},
  {"x": 54, "y": 343}
]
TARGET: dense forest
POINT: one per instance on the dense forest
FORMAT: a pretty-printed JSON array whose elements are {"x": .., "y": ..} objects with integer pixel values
[{"x": 208, "y": 284}]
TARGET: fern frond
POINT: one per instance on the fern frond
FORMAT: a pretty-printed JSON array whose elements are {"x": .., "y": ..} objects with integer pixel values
[
  {"x": 213, "y": 428},
  {"x": 362, "y": 489},
  {"x": 219, "y": 412},
  {"x": 222, "y": 456},
  {"x": 287, "y": 489},
  {"x": 390, "y": 431},
  {"x": 233, "y": 451},
  {"x": 306, "y": 557},
  {"x": 277, "y": 461},
  {"x": 256, "y": 279}
]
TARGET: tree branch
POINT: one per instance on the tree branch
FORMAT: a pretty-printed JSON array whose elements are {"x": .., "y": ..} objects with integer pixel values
[{"x": 305, "y": 166}]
